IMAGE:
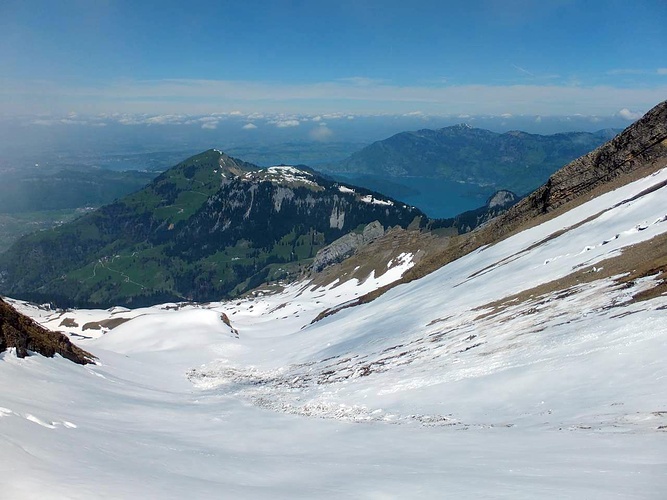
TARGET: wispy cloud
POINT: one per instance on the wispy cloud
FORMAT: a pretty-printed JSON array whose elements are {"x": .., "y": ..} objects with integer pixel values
[
  {"x": 626, "y": 114},
  {"x": 321, "y": 133},
  {"x": 165, "y": 120},
  {"x": 361, "y": 81},
  {"x": 636, "y": 71},
  {"x": 249, "y": 126},
  {"x": 168, "y": 100},
  {"x": 523, "y": 70},
  {"x": 68, "y": 120},
  {"x": 625, "y": 71},
  {"x": 285, "y": 123}
]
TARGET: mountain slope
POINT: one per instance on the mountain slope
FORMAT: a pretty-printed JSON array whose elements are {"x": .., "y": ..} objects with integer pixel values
[
  {"x": 211, "y": 226},
  {"x": 529, "y": 368},
  {"x": 515, "y": 160},
  {"x": 40, "y": 198}
]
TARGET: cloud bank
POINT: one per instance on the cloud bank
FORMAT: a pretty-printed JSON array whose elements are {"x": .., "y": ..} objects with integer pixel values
[
  {"x": 175, "y": 97},
  {"x": 321, "y": 133}
]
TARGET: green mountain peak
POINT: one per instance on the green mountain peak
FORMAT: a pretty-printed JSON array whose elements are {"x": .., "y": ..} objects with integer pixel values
[{"x": 211, "y": 226}]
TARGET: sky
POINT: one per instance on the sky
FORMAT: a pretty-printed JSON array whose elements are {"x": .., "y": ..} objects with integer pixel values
[{"x": 473, "y": 57}]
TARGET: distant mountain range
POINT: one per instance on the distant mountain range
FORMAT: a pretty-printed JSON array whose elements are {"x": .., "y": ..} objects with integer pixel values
[
  {"x": 638, "y": 151},
  {"x": 515, "y": 160}
]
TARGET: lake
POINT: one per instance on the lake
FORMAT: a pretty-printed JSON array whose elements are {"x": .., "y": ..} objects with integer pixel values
[{"x": 438, "y": 198}]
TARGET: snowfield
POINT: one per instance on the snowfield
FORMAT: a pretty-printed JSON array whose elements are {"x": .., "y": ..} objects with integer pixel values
[
  {"x": 469, "y": 383},
  {"x": 375, "y": 201}
]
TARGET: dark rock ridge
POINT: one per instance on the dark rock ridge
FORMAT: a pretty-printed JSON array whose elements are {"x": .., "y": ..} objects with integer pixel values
[
  {"x": 23, "y": 334},
  {"x": 346, "y": 246},
  {"x": 643, "y": 145}
]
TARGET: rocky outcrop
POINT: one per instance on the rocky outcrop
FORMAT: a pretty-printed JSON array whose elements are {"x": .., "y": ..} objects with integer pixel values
[
  {"x": 346, "y": 246},
  {"x": 496, "y": 205},
  {"x": 465, "y": 222},
  {"x": 501, "y": 199},
  {"x": 23, "y": 334},
  {"x": 642, "y": 145}
]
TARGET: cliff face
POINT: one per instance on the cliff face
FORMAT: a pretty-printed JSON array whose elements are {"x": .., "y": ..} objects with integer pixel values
[
  {"x": 265, "y": 207},
  {"x": 20, "y": 332},
  {"x": 346, "y": 246},
  {"x": 643, "y": 145}
]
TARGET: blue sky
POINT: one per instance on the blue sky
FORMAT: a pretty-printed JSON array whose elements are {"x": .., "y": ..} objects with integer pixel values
[{"x": 88, "y": 57}]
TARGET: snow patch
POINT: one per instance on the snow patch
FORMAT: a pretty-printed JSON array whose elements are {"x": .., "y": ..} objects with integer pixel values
[
  {"x": 369, "y": 198},
  {"x": 39, "y": 421}
]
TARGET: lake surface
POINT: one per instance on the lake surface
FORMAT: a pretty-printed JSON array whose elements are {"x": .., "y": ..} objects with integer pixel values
[{"x": 438, "y": 198}]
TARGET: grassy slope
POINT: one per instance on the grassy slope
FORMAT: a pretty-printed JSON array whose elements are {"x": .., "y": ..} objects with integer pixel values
[{"x": 101, "y": 235}]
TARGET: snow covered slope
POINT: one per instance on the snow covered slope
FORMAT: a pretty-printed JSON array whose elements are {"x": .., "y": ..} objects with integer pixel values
[{"x": 530, "y": 368}]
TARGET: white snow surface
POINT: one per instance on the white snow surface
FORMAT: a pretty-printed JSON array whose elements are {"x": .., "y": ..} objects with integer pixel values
[
  {"x": 425, "y": 392},
  {"x": 286, "y": 174},
  {"x": 369, "y": 198}
]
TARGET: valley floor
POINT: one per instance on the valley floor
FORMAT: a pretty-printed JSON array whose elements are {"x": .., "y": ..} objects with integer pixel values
[
  {"x": 529, "y": 369},
  {"x": 116, "y": 438}
]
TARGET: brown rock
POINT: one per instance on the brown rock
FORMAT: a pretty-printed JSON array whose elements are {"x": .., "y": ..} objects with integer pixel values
[{"x": 22, "y": 333}]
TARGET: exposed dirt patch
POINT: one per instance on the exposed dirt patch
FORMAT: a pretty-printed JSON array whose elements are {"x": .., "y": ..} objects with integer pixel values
[
  {"x": 646, "y": 259},
  {"x": 69, "y": 323},
  {"x": 109, "y": 324}
]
